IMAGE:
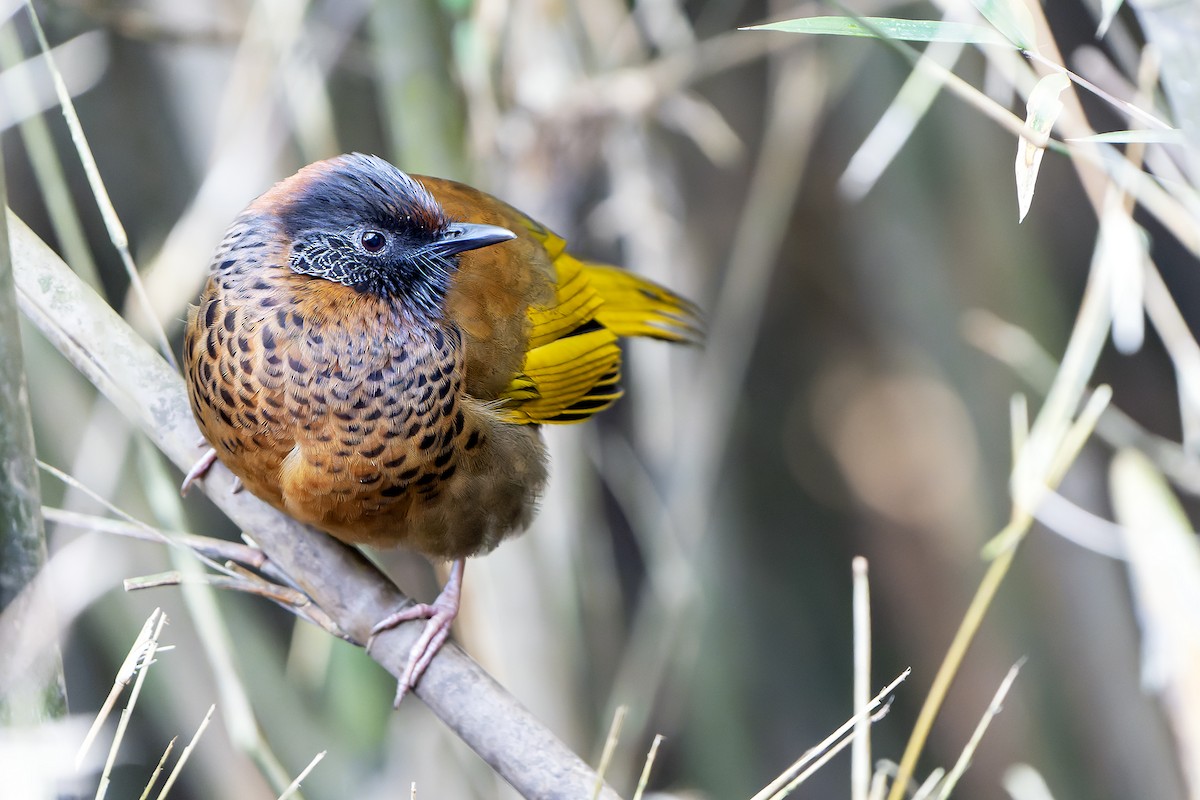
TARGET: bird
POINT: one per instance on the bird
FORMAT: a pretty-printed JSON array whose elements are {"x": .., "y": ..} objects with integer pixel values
[{"x": 375, "y": 353}]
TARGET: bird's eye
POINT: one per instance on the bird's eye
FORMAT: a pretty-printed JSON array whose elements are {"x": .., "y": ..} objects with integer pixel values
[{"x": 372, "y": 241}]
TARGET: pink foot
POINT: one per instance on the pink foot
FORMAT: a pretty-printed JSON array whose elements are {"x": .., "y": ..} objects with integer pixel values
[
  {"x": 198, "y": 471},
  {"x": 201, "y": 468},
  {"x": 440, "y": 615}
]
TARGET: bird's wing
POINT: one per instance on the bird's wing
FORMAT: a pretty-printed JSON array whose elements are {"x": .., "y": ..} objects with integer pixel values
[
  {"x": 572, "y": 368},
  {"x": 540, "y": 325}
]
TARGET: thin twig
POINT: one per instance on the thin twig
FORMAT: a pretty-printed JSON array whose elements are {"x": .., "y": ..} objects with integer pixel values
[
  {"x": 153, "y": 533},
  {"x": 125, "y": 674},
  {"x": 290, "y": 599},
  {"x": 645, "y": 776},
  {"x": 930, "y": 784},
  {"x": 158, "y": 768},
  {"x": 825, "y": 758},
  {"x": 860, "y": 751},
  {"x": 187, "y": 752},
  {"x": 964, "y": 759},
  {"x": 772, "y": 788},
  {"x": 294, "y": 786},
  {"x": 205, "y": 545},
  {"x": 610, "y": 746},
  {"x": 206, "y": 549},
  {"x": 147, "y": 658}
]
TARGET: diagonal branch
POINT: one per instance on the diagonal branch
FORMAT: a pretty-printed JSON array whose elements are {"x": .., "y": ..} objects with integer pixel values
[{"x": 339, "y": 579}]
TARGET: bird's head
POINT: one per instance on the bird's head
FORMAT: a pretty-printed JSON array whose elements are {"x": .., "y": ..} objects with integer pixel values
[{"x": 358, "y": 221}]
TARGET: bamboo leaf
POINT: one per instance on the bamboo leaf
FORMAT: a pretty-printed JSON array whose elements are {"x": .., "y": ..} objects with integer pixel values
[
  {"x": 1108, "y": 12},
  {"x": 1042, "y": 110}
]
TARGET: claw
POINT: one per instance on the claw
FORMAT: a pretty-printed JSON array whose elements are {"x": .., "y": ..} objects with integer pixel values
[
  {"x": 198, "y": 471},
  {"x": 440, "y": 615}
]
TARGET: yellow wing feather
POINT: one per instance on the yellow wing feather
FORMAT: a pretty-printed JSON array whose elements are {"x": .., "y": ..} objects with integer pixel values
[
  {"x": 634, "y": 306},
  {"x": 572, "y": 367},
  {"x": 575, "y": 302}
]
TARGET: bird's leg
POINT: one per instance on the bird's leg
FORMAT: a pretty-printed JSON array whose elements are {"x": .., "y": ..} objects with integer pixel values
[
  {"x": 201, "y": 468},
  {"x": 198, "y": 470},
  {"x": 440, "y": 615}
]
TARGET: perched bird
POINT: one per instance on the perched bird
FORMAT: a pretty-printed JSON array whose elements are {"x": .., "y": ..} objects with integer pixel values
[{"x": 374, "y": 353}]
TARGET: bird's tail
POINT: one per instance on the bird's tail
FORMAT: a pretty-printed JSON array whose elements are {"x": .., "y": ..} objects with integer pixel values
[{"x": 635, "y": 306}]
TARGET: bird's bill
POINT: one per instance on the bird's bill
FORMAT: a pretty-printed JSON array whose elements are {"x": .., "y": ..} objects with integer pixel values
[{"x": 462, "y": 236}]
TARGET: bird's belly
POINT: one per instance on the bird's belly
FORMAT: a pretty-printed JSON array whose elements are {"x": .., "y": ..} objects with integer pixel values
[
  {"x": 456, "y": 488},
  {"x": 362, "y": 486},
  {"x": 371, "y": 454}
]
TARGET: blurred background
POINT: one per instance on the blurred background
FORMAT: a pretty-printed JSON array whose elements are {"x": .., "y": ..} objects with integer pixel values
[{"x": 692, "y": 557}]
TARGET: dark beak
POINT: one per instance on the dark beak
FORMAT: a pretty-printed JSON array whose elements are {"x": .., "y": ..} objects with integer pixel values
[{"x": 462, "y": 236}]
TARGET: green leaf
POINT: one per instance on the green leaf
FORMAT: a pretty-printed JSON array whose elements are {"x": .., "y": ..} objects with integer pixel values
[
  {"x": 1011, "y": 18},
  {"x": 906, "y": 30}
]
